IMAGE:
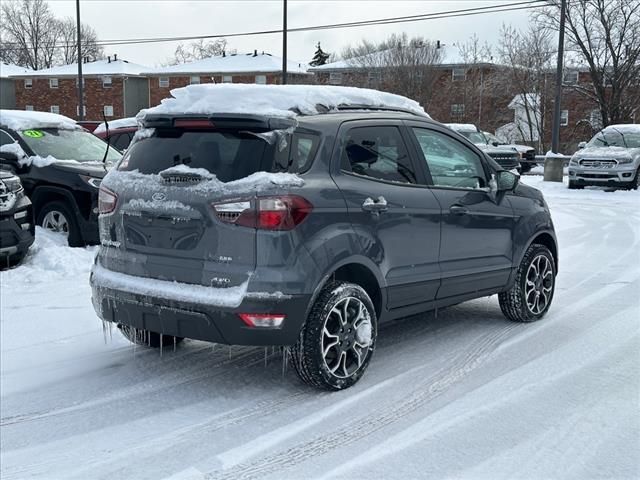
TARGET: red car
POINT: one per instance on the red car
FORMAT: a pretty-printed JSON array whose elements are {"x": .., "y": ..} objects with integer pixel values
[{"x": 119, "y": 134}]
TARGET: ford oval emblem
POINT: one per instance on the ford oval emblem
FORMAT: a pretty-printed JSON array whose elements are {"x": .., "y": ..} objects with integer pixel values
[{"x": 158, "y": 197}]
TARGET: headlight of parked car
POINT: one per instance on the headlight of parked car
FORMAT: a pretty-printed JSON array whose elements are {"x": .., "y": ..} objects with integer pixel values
[
  {"x": 93, "y": 181},
  {"x": 573, "y": 161},
  {"x": 13, "y": 184}
]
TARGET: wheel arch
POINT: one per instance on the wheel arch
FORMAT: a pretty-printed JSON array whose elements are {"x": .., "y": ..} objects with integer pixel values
[
  {"x": 44, "y": 194},
  {"x": 548, "y": 239}
]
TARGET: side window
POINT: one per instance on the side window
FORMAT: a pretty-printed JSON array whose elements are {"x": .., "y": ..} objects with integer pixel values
[
  {"x": 121, "y": 141},
  {"x": 377, "y": 152},
  {"x": 5, "y": 138},
  {"x": 450, "y": 163}
]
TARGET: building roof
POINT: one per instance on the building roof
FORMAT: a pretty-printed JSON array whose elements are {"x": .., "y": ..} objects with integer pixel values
[
  {"x": 8, "y": 69},
  {"x": 234, "y": 63},
  {"x": 103, "y": 67}
]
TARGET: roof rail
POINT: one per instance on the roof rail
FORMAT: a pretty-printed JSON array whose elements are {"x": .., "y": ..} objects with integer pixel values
[{"x": 378, "y": 108}]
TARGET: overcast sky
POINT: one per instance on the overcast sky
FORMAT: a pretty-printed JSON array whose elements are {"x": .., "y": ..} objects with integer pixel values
[{"x": 118, "y": 19}]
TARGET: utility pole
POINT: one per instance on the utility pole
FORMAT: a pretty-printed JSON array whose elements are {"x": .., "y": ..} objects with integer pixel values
[
  {"x": 555, "y": 134},
  {"x": 284, "y": 43},
  {"x": 80, "y": 79}
]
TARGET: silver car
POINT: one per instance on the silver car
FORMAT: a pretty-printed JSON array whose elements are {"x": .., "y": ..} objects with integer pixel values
[{"x": 611, "y": 158}]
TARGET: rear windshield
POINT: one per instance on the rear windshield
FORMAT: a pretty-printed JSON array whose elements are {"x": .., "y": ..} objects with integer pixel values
[
  {"x": 78, "y": 145},
  {"x": 229, "y": 155}
]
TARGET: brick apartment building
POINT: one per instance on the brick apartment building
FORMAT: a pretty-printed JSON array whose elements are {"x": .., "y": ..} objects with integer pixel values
[
  {"x": 7, "y": 84},
  {"x": 113, "y": 88},
  {"x": 255, "y": 67}
]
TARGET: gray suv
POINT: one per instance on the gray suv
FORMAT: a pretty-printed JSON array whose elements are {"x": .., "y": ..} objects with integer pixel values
[
  {"x": 611, "y": 158},
  {"x": 309, "y": 232}
]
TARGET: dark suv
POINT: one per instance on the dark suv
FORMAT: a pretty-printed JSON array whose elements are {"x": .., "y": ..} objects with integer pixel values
[
  {"x": 61, "y": 166},
  {"x": 16, "y": 222},
  {"x": 308, "y": 233}
]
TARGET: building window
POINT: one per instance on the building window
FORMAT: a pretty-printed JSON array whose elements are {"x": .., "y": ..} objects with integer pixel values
[
  {"x": 227, "y": 79},
  {"x": 53, "y": 83},
  {"x": 108, "y": 110},
  {"x": 570, "y": 77},
  {"x": 55, "y": 109},
  {"x": 84, "y": 110},
  {"x": 335, "y": 78},
  {"x": 261, "y": 79},
  {"x": 459, "y": 74},
  {"x": 28, "y": 82},
  {"x": 106, "y": 82},
  {"x": 194, "y": 80},
  {"x": 163, "y": 82},
  {"x": 564, "y": 118},
  {"x": 457, "y": 111},
  {"x": 28, "y": 108}
]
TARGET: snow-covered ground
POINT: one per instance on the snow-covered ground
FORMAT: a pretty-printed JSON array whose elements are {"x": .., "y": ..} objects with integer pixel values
[{"x": 466, "y": 394}]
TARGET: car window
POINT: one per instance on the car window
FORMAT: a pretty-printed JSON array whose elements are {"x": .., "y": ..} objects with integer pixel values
[
  {"x": 450, "y": 163},
  {"x": 5, "y": 138},
  {"x": 78, "y": 145},
  {"x": 121, "y": 141},
  {"x": 377, "y": 152}
]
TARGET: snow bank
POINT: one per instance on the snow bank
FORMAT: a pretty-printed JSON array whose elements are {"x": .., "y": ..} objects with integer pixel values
[
  {"x": 551, "y": 154},
  {"x": 130, "y": 122},
  {"x": 274, "y": 100},
  {"x": 181, "y": 292},
  {"x": 23, "y": 120}
]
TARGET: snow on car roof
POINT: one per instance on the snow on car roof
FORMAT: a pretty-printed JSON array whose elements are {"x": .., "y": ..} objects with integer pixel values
[
  {"x": 119, "y": 123},
  {"x": 625, "y": 127},
  {"x": 462, "y": 127},
  {"x": 275, "y": 100},
  {"x": 234, "y": 63},
  {"x": 27, "y": 120}
]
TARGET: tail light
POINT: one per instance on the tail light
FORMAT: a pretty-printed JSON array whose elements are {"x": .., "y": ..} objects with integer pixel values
[
  {"x": 107, "y": 201},
  {"x": 262, "y": 320},
  {"x": 283, "y": 212}
]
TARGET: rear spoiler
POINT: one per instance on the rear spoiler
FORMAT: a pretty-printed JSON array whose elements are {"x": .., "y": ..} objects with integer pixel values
[{"x": 222, "y": 120}]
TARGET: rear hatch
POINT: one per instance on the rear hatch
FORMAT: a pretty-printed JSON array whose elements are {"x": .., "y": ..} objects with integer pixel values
[{"x": 185, "y": 195}]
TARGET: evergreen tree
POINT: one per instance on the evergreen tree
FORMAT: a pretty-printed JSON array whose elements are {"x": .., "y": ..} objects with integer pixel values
[{"x": 320, "y": 57}]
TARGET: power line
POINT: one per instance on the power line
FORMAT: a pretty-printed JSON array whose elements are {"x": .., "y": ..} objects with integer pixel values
[{"x": 514, "y": 6}]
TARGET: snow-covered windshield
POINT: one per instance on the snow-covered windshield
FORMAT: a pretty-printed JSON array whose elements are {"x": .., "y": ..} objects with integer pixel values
[
  {"x": 475, "y": 137},
  {"x": 77, "y": 145},
  {"x": 614, "y": 138}
]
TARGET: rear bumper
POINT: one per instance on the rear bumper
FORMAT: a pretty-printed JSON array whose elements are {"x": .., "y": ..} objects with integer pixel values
[{"x": 199, "y": 320}]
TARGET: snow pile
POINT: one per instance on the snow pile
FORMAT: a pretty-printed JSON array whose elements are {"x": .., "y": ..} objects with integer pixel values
[
  {"x": 230, "y": 297},
  {"x": 23, "y": 120},
  {"x": 138, "y": 204},
  {"x": 624, "y": 128},
  {"x": 462, "y": 127},
  {"x": 130, "y": 122},
  {"x": 274, "y": 100},
  {"x": 143, "y": 133}
]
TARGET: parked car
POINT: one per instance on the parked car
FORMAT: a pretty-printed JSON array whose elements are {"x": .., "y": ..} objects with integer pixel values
[
  {"x": 118, "y": 133},
  {"x": 16, "y": 220},
  {"x": 507, "y": 158},
  {"x": 526, "y": 152},
  {"x": 89, "y": 125},
  {"x": 61, "y": 166},
  {"x": 211, "y": 230},
  {"x": 611, "y": 158}
]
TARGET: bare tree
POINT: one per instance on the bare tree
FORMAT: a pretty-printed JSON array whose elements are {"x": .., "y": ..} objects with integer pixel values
[
  {"x": 527, "y": 57},
  {"x": 605, "y": 34},
  {"x": 68, "y": 51},
  {"x": 399, "y": 64},
  {"x": 198, "y": 50}
]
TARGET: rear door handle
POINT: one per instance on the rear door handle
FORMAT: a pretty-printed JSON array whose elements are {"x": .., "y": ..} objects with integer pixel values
[
  {"x": 375, "y": 206},
  {"x": 458, "y": 210}
]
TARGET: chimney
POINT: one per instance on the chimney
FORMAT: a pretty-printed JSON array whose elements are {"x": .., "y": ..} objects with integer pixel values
[
  {"x": 115, "y": 57},
  {"x": 109, "y": 59},
  {"x": 255, "y": 53}
]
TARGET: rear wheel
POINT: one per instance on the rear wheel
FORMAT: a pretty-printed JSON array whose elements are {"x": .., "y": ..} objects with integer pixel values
[
  {"x": 58, "y": 217},
  {"x": 147, "y": 338},
  {"x": 338, "y": 338},
  {"x": 530, "y": 297}
]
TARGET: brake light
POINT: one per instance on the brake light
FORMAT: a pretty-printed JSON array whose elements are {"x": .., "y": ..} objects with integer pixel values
[
  {"x": 283, "y": 212},
  {"x": 201, "y": 123},
  {"x": 262, "y": 320},
  {"x": 107, "y": 201}
]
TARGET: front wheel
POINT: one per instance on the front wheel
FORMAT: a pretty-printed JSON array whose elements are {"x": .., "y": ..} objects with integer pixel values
[
  {"x": 530, "y": 297},
  {"x": 58, "y": 217},
  {"x": 338, "y": 338},
  {"x": 147, "y": 338}
]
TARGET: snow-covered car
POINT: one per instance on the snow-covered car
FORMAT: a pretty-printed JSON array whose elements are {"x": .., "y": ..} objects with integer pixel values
[
  {"x": 16, "y": 220},
  {"x": 61, "y": 165},
  {"x": 302, "y": 216},
  {"x": 507, "y": 158},
  {"x": 527, "y": 153},
  {"x": 611, "y": 158}
]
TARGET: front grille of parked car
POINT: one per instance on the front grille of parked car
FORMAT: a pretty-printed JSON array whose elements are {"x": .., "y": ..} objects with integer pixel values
[
  {"x": 505, "y": 160},
  {"x": 591, "y": 163},
  {"x": 601, "y": 176}
]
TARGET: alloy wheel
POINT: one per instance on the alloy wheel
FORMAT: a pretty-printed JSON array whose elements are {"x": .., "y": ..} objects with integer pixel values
[
  {"x": 346, "y": 337},
  {"x": 56, "y": 222},
  {"x": 539, "y": 284}
]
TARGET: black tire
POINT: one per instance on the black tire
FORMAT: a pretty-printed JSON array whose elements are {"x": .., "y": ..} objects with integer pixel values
[
  {"x": 575, "y": 186},
  {"x": 10, "y": 261},
  {"x": 525, "y": 167},
  {"x": 147, "y": 338},
  {"x": 312, "y": 365},
  {"x": 74, "y": 235},
  {"x": 516, "y": 303}
]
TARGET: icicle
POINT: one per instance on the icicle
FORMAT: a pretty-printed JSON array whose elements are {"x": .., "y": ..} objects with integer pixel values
[
  {"x": 110, "y": 331},
  {"x": 285, "y": 359},
  {"x": 104, "y": 331},
  {"x": 174, "y": 344},
  {"x": 213, "y": 347},
  {"x": 229, "y": 351},
  {"x": 161, "y": 345},
  {"x": 265, "y": 355},
  {"x": 135, "y": 344}
]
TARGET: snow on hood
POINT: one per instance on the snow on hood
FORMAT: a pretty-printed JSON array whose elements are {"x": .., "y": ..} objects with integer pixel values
[
  {"x": 605, "y": 152},
  {"x": 130, "y": 122},
  {"x": 625, "y": 128},
  {"x": 274, "y": 100},
  {"x": 24, "y": 120}
]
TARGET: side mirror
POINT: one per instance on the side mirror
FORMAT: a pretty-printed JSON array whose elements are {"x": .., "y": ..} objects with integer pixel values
[
  {"x": 9, "y": 161},
  {"x": 506, "y": 181},
  {"x": 495, "y": 143},
  {"x": 581, "y": 145}
]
